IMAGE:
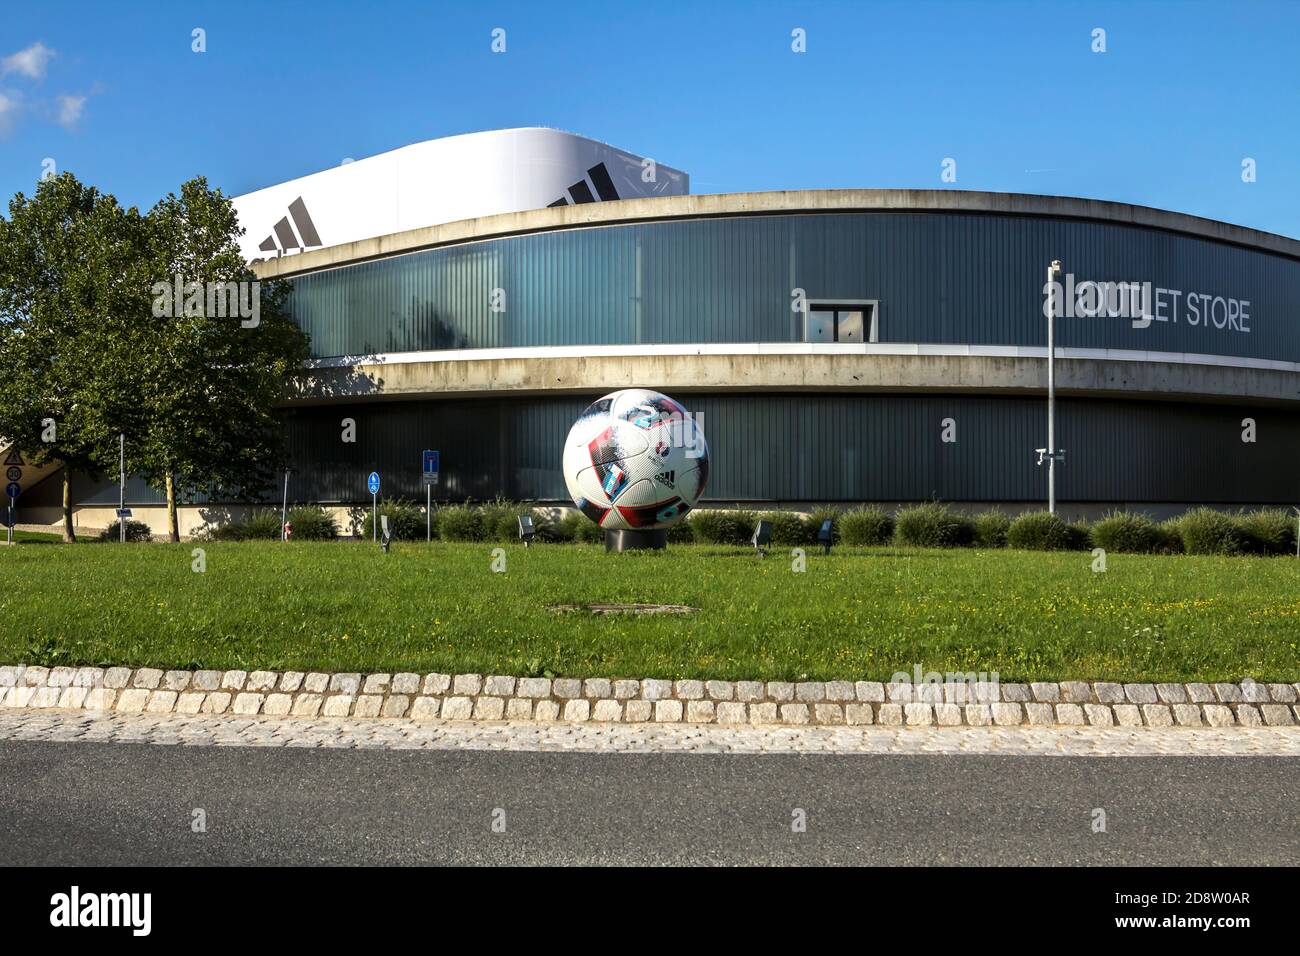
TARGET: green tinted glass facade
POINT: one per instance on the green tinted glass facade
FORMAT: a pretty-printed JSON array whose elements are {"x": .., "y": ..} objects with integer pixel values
[{"x": 939, "y": 277}]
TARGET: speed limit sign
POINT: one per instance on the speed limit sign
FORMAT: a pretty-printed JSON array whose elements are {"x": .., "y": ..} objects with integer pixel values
[{"x": 13, "y": 473}]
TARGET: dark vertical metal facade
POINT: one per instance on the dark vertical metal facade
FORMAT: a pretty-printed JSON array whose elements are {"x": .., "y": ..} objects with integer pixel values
[
  {"x": 816, "y": 447},
  {"x": 940, "y": 278}
]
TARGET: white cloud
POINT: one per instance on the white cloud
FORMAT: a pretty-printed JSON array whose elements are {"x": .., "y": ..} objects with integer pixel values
[
  {"x": 9, "y": 107},
  {"x": 30, "y": 62},
  {"x": 71, "y": 109}
]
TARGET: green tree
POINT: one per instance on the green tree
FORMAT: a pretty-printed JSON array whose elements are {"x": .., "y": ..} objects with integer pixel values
[
  {"x": 215, "y": 358},
  {"x": 72, "y": 277}
]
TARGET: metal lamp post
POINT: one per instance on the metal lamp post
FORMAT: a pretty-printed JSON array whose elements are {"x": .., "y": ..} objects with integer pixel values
[{"x": 1053, "y": 273}]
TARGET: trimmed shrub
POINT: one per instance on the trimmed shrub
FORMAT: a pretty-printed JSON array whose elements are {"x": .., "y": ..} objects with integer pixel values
[
  {"x": 788, "y": 530},
  {"x": 1171, "y": 540},
  {"x": 1041, "y": 531},
  {"x": 1079, "y": 535},
  {"x": 460, "y": 523},
  {"x": 991, "y": 529},
  {"x": 1206, "y": 531},
  {"x": 405, "y": 520},
  {"x": 681, "y": 533},
  {"x": 312, "y": 523},
  {"x": 933, "y": 525},
  {"x": 262, "y": 525},
  {"x": 135, "y": 531},
  {"x": 708, "y": 526},
  {"x": 1126, "y": 532},
  {"x": 500, "y": 520},
  {"x": 576, "y": 526},
  {"x": 723, "y": 527},
  {"x": 815, "y": 519},
  {"x": 1268, "y": 531},
  {"x": 552, "y": 532},
  {"x": 867, "y": 525}
]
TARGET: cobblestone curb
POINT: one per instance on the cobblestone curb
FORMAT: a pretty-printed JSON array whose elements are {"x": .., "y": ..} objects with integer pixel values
[{"x": 601, "y": 700}]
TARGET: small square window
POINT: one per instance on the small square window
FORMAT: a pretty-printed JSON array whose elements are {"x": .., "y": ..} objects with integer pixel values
[
  {"x": 821, "y": 326},
  {"x": 848, "y": 326},
  {"x": 841, "y": 322}
]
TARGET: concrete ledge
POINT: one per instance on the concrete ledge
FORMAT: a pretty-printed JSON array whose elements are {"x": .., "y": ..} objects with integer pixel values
[
  {"x": 600, "y": 700},
  {"x": 784, "y": 202},
  {"x": 523, "y": 372}
]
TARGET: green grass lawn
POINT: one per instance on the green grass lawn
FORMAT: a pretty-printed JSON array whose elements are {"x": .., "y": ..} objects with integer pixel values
[
  {"x": 857, "y": 614},
  {"x": 32, "y": 537}
]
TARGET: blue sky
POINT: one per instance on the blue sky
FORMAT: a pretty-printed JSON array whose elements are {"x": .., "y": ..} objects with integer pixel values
[{"x": 884, "y": 93}]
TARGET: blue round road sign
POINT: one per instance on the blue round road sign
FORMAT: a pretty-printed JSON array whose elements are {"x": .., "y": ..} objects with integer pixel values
[
  {"x": 13, "y": 489},
  {"x": 373, "y": 482}
]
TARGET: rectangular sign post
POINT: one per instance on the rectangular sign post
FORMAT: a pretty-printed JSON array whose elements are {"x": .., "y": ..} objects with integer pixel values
[
  {"x": 372, "y": 483},
  {"x": 121, "y": 488},
  {"x": 12, "y": 490},
  {"x": 430, "y": 479}
]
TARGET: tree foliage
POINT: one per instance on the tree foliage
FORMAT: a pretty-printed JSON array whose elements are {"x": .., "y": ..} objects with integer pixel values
[
  {"x": 72, "y": 278},
  {"x": 212, "y": 380},
  {"x": 152, "y": 326}
]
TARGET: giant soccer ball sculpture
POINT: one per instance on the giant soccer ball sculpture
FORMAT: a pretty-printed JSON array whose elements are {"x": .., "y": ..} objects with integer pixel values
[{"x": 635, "y": 461}]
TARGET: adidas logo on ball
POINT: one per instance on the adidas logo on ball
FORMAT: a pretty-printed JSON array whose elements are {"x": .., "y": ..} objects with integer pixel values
[{"x": 665, "y": 478}]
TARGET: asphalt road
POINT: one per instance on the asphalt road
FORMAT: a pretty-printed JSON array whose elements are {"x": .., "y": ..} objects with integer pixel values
[{"x": 90, "y": 804}]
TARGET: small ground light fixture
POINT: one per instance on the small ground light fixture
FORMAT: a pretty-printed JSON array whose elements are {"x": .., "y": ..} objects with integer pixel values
[
  {"x": 825, "y": 535},
  {"x": 526, "y": 529},
  {"x": 762, "y": 536},
  {"x": 386, "y": 536}
]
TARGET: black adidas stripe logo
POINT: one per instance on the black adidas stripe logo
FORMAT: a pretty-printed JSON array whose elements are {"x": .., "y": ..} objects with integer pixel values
[
  {"x": 283, "y": 231},
  {"x": 581, "y": 192},
  {"x": 666, "y": 478}
]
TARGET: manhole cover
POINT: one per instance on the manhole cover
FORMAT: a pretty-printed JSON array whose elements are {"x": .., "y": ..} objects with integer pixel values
[{"x": 625, "y": 608}]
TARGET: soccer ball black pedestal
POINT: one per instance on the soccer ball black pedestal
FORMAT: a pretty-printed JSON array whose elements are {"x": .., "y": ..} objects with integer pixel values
[{"x": 636, "y": 540}]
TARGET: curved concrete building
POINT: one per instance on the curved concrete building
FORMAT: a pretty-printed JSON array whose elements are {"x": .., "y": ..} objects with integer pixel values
[
  {"x": 832, "y": 340},
  {"x": 840, "y": 345}
]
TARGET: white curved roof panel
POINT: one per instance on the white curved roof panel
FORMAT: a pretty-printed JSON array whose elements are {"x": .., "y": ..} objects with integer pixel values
[{"x": 445, "y": 180}]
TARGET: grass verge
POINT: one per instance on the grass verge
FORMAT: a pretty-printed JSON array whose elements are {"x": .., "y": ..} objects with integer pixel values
[{"x": 856, "y": 614}]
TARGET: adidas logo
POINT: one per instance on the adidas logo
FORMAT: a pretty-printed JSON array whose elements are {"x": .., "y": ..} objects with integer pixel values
[
  {"x": 666, "y": 478},
  {"x": 287, "y": 238},
  {"x": 581, "y": 192}
]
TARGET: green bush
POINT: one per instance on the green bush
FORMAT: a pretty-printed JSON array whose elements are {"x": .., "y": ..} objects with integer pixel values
[
  {"x": 552, "y": 532},
  {"x": 499, "y": 520},
  {"x": 723, "y": 527},
  {"x": 135, "y": 531},
  {"x": 312, "y": 523},
  {"x": 1171, "y": 540},
  {"x": 868, "y": 525},
  {"x": 1206, "y": 531},
  {"x": 460, "y": 523},
  {"x": 1268, "y": 531},
  {"x": 788, "y": 530},
  {"x": 681, "y": 533},
  {"x": 820, "y": 514},
  {"x": 991, "y": 529},
  {"x": 933, "y": 525},
  {"x": 708, "y": 526},
  {"x": 576, "y": 526},
  {"x": 1042, "y": 531},
  {"x": 1126, "y": 532},
  {"x": 261, "y": 525},
  {"x": 405, "y": 520}
]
